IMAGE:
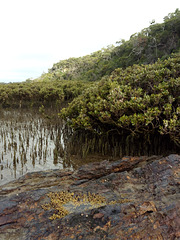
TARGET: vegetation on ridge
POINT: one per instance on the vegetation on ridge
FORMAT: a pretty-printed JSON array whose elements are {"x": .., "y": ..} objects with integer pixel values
[{"x": 145, "y": 47}]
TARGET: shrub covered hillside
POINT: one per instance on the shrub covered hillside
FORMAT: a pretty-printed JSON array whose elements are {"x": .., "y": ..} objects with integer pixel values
[
  {"x": 68, "y": 78},
  {"x": 145, "y": 47},
  {"x": 141, "y": 99}
]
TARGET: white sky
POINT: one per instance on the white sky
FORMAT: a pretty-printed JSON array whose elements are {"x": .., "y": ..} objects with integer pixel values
[{"x": 34, "y": 34}]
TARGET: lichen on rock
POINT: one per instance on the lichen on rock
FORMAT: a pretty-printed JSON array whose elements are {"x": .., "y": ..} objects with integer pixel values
[{"x": 60, "y": 201}]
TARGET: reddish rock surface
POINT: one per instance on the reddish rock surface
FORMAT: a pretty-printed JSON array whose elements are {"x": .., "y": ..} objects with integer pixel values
[{"x": 142, "y": 202}]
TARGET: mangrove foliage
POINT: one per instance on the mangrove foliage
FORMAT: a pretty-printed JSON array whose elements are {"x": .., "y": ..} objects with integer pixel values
[{"x": 138, "y": 100}]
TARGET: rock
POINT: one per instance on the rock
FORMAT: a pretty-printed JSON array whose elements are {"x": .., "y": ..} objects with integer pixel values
[
  {"x": 98, "y": 215},
  {"x": 133, "y": 198}
]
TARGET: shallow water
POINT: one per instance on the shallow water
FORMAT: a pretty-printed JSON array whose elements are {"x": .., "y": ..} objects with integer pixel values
[
  {"x": 33, "y": 140},
  {"x": 30, "y": 142}
]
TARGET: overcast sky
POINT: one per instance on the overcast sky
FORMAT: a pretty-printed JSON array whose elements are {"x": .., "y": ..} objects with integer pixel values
[{"x": 37, "y": 33}]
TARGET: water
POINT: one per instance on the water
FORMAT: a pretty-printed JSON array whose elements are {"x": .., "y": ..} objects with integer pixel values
[
  {"x": 30, "y": 142},
  {"x": 33, "y": 140}
]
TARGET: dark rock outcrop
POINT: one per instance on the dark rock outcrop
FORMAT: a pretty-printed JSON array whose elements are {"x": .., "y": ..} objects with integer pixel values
[{"x": 141, "y": 200}]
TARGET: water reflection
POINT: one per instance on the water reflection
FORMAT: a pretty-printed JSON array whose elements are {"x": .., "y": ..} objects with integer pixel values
[
  {"x": 30, "y": 142},
  {"x": 33, "y": 141}
]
